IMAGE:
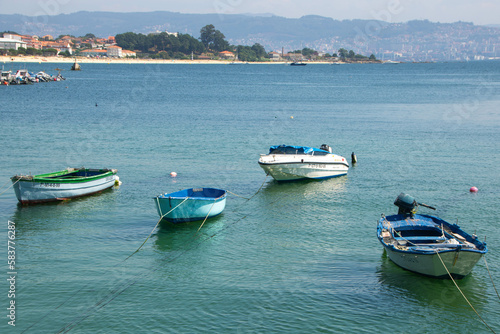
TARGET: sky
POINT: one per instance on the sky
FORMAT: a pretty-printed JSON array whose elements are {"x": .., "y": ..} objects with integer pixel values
[{"x": 479, "y": 12}]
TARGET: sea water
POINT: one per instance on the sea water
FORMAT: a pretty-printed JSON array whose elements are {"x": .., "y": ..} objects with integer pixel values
[{"x": 298, "y": 257}]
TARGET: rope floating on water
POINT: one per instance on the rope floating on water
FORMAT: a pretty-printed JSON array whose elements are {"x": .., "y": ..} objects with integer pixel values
[
  {"x": 449, "y": 274},
  {"x": 208, "y": 214},
  {"x": 494, "y": 287},
  {"x": 463, "y": 295},
  {"x": 159, "y": 220},
  {"x": 9, "y": 186},
  {"x": 122, "y": 287}
]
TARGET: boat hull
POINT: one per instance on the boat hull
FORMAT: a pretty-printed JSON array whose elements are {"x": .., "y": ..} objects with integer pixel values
[
  {"x": 459, "y": 263},
  {"x": 299, "y": 171},
  {"x": 41, "y": 190},
  {"x": 180, "y": 209},
  {"x": 429, "y": 246}
]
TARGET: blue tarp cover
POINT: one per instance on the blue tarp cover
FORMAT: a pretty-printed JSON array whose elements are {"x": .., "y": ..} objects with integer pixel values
[{"x": 289, "y": 149}]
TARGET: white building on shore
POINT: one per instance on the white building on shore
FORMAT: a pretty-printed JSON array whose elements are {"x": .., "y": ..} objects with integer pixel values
[{"x": 8, "y": 43}]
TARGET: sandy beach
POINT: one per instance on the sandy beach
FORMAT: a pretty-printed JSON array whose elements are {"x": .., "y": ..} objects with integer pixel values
[{"x": 84, "y": 60}]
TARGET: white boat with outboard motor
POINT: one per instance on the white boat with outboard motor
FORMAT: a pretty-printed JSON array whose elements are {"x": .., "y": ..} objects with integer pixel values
[
  {"x": 287, "y": 163},
  {"x": 426, "y": 244}
]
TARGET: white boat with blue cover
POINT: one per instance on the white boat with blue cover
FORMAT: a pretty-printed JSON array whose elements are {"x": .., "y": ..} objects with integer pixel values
[
  {"x": 191, "y": 204},
  {"x": 287, "y": 163},
  {"x": 426, "y": 244}
]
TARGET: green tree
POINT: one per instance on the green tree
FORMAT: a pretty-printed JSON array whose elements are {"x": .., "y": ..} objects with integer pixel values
[
  {"x": 207, "y": 35},
  {"x": 245, "y": 53},
  {"x": 372, "y": 57},
  {"x": 50, "y": 52},
  {"x": 213, "y": 39},
  {"x": 220, "y": 44},
  {"x": 351, "y": 54},
  {"x": 259, "y": 50},
  {"x": 89, "y": 36},
  {"x": 306, "y": 52},
  {"x": 343, "y": 53}
]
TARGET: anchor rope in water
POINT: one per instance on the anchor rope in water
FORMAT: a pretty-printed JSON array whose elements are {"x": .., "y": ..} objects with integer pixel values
[
  {"x": 159, "y": 220},
  {"x": 9, "y": 186},
  {"x": 463, "y": 295},
  {"x": 249, "y": 198},
  {"x": 449, "y": 274},
  {"x": 122, "y": 287},
  {"x": 206, "y": 217},
  {"x": 489, "y": 273}
]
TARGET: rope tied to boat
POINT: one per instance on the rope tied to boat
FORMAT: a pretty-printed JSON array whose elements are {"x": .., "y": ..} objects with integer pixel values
[
  {"x": 449, "y": 274},
  {"x": 208, "y": 214},
  {"x": 159, "y": 220},
  {"x": 489, "y": 273},
  {"x": 249, "y": 198},
  {"x": 463, "y": 295},
  {"x": 19, "y": 179}
]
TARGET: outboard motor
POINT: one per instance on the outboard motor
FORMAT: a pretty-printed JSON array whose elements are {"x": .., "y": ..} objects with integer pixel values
[
  {"x": 325, "y": 147},
  {"x": 407, "y": 205}
]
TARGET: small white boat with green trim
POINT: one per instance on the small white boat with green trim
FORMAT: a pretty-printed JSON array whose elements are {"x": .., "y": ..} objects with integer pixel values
[{"x": 62, "y": 185}]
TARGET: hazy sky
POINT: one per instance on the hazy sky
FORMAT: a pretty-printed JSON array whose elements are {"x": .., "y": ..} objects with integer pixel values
[{"x": 477, "y": 11}]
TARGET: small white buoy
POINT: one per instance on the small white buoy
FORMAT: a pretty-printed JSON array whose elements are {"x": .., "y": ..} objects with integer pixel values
[
  {"x": 291, "y": 117},
  {"x": 173, "y": 174},
  {"x": 473, "y": 189},
  {"x": 117, "y": 181}
]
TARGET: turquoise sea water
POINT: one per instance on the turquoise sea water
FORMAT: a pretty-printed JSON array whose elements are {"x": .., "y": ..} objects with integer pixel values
[{"x": 298, "y": 257}]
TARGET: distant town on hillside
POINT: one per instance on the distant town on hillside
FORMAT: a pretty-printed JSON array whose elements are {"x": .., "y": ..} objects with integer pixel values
[
  {"x": 419, "y": 40},
  {"x": 211, "y": 45}
]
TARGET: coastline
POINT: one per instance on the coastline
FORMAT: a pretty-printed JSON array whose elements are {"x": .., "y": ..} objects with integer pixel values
[{"x": 84, "y": 60}]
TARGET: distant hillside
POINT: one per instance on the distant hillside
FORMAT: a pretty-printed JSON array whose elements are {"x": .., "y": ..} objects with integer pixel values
[{"x": 414, "y": 40}]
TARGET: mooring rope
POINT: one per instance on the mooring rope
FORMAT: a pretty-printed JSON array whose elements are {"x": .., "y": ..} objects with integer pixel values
[
  {"x": 124, "y": 286},
  {"x": 3, "y": 185},
  {"x": 9, "y": 186},
  {"x": 249, "y": 198},
  {"x": 463, "y": 295},
  {"x": 159, "y": 220},
  {"x": 449, "y": 274},
  {"x": 208, "y": 214},
  {"x": 489, "y": 273}
]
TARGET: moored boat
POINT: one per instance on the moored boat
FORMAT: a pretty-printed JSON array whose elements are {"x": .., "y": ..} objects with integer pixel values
[
  {"x": 191, "y": 204},
  {"x": 287, "y": 163},
  {"x": 62, "y": 185},
  {"x": 426, "y": 244}
]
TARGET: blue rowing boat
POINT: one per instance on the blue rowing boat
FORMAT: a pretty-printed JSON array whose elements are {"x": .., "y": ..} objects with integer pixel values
[
  {"x": 191, "y": 204},
  {"x": 426, "y": 244}
]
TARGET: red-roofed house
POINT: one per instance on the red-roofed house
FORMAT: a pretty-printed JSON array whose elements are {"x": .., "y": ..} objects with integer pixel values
[{"x": 226, "y": 55}]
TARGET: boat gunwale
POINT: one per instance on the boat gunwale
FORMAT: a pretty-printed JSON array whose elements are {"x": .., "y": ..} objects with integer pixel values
[
  {"x": 191, "y": 198},
  {"x": 304, "y": 162},
  {"x": 53, "y": 177},
  {"x": 453, "y": 227},
  {"x": 166, "y": 196}
]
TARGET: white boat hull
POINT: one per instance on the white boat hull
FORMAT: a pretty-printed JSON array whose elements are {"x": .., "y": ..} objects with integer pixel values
[
  {"x": 288, "y": 167},
  {"x": 29, "y": 192},
  {"x": 297, "y": 171},
  {"x": 459, "y": 263}
]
